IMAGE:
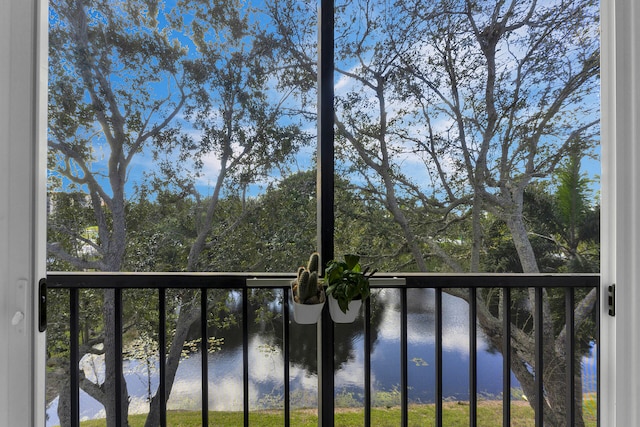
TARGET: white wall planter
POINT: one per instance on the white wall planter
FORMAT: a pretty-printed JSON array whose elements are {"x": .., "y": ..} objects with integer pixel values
[
  {"x": 307, "y": 314},
  {"x": 338, "y": 316}
]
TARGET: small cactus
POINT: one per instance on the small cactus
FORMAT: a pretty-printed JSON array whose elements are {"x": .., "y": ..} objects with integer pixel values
[
  {"x": 314, "y": 262},
  {"x": 306, "y": 288}
]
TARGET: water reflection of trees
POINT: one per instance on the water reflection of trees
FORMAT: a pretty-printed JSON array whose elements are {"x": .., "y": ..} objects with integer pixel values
[{"x": 265, "y": 319}]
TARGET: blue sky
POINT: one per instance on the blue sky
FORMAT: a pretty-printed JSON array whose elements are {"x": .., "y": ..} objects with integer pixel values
[{"x": 143, "y": 162}]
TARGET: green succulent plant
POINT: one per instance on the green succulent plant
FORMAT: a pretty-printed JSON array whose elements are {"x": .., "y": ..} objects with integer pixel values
[
  {"x": 307, "y": 289},
  {"x": 346, "y": 280}
]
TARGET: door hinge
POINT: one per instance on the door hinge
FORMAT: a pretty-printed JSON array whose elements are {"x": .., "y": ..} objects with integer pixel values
[
  {"x": 42, "y": 305},
  {"x": 612, "y": 300}
]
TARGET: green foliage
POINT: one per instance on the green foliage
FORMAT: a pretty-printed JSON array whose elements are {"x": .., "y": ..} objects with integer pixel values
[
  {"x": 264, "y": 233},
  {"x": 347, "y": 399},
  {"x": 387, "y": 399},
  {"x": 159, "y": 232},
  {"x": 346, "y": 281},
  {"x": 194, "y": 346},
  {"x": 578, "y": 230},
  {"x": 71, "y": 225},
  {"x": 260, "y": 304},
  {"x": 559, "y": 243}
]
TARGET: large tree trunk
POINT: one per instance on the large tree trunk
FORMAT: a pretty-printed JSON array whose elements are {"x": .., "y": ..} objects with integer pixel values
[
  {"x": 189, "y": 314},
  {"x": 521, "y": 241},
  {"x": 554, "y": 361},
  {"x": 523, "y": 358},
  {"x": 64, "y": 402}
]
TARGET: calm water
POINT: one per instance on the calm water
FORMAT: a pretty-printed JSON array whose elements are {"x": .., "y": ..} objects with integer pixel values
[{"x": 266, "y": 363}]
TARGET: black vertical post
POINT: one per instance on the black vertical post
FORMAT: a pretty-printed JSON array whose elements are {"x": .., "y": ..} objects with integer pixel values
[
  {"x": 473, "y": 359},
  {"x": 74, "y": 374},
  {"x": 325, "y": 188},
  {"x": 404, "y": 370},
  {"x": 245, "y": 354},
  {"x": 162, "y": 358},
  {"x": 539, "y": 358},
  {"x": 506, "y": 357},
  {"x": 285, "y": 352},
  {"x": 438, "y": 358},
  {"x": 570, "y": 355},
  {"x": 118, "y": 344},
  {"x": 367, "y": 362},
  {"x": 204, "y": 361}
]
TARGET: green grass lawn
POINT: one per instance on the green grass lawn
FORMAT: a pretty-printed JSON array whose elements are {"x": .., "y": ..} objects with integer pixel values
[{"x": 454, "y": 413}]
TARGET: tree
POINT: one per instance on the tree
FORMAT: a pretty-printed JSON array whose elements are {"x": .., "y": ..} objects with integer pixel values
[
  {"x": 99, "y": 52},
  {"x": 444, "y": 130},
  {"x": 238, "y": 121},
  {"x": 124, "y": 82},
  {"x": 240, "y": 116},
  {"x": 578, "y": 222},
  {"x": 479, "y": 100}
]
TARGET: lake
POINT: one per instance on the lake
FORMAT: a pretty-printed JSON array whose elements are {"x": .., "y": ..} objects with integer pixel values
[{"x": 266, "y": 363}]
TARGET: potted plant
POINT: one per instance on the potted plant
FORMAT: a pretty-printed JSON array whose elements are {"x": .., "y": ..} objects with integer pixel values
[
  {"x": 347, "y": 286},
  {"x": 308, "y": 295}
]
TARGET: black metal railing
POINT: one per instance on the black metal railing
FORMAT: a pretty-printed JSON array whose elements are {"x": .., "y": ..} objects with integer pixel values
[{"x": 203, "y": 282}]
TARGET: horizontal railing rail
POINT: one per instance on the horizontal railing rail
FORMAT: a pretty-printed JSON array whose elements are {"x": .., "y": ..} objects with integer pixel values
[
  {"x": 244, "y": 282},
  {"x": 114, "y": 280}
]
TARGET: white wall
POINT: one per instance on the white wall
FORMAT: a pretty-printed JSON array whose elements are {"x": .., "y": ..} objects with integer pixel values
[
  {"x": 620, "y": 384},
  {"x": 22, "y": 171},
  {"x": 607, "y": 324}
]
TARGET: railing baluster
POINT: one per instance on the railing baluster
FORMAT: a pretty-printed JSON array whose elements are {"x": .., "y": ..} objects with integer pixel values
[
  {"x": 117, "y": 315},
  {"x": 570, "y": 355},
  {"x": 473, "y": 359},
  {"x": 204, "y": 350},
  {"x": 285, "y": 350},
  {"x": 539, "y": 368},
  {"x": 438, "y": 358},
  {"x": 367, "y": 362},
  {"x": 506, "y": 357},
  {"x": 245, "y": 355},
  {"x": 326, "y": 369},
  {"x": 506, "y": 284},
  {"x": 162, "y": 350},
  {"x": 404, "y": 371},
  {"x": 74, "y": 358}
]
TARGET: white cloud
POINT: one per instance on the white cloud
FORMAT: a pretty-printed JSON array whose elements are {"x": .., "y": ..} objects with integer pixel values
[{"x": 455, "y": 318}]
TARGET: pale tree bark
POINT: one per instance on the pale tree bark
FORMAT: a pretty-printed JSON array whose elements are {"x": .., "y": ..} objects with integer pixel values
[
  {"x": 522, "y": 243},
  {"x": 189, "y": 314}
]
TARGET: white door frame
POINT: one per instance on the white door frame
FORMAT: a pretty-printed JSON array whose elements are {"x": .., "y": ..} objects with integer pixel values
[
  {"x": 23, "y": 78},
  {"x": 620, "y": 335},
  {"x": 23, "y": 109}
]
